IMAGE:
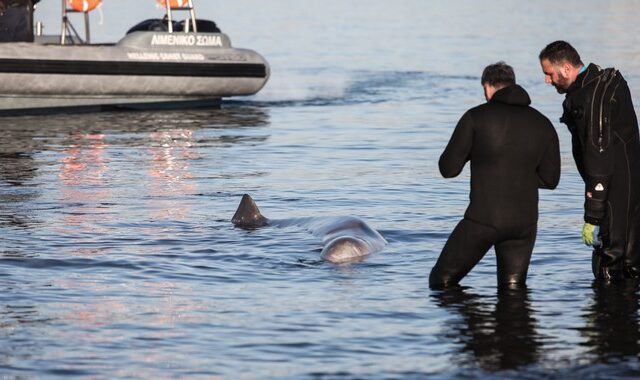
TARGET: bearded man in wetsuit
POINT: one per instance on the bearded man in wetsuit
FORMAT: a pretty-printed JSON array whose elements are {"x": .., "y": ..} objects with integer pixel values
[
  {"x": 513, "y": 150},
  {"x": 599, "y": 113}
]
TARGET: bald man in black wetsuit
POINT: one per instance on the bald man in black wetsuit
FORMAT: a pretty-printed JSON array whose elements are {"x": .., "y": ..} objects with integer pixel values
[{"x": 513, "y": 150}]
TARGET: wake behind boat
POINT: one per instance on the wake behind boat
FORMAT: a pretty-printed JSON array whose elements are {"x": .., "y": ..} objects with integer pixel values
[{"x": 157, "y": 64}]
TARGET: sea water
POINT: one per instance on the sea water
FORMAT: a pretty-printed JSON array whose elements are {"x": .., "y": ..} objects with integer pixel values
[{"x": 118, "y": 258}]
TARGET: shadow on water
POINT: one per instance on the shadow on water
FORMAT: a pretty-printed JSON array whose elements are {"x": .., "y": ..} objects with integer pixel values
[{"x": 491, "y": 335}]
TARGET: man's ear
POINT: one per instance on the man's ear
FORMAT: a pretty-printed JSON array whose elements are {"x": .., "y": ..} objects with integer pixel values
[{"x": 489, "y": 90}]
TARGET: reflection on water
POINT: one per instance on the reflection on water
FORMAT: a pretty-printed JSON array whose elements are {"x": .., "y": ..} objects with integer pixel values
[
  {"x": 612, "y": 330},
  {"x": 169, "y": 172},
  {"x": 18, "y": 323},
  {"x": 494, "y": 335},
  {"x": 89, "y": 152},
  {"x": 84, "y": 160},
  {"x": 89, "y": 186},
  {"x": 84, "y": 189},
  {"x": 498, "y": 334},
  {"x": 17, "y": 168}
]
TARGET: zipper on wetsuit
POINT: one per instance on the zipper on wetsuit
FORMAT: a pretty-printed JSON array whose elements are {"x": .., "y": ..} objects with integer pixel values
[{"x": 607, "y": 80}]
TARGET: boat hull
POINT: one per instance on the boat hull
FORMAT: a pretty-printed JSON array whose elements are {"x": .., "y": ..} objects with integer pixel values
[
  {"x": 144, "y": 69},
  {"x": 13, "y": 105}
]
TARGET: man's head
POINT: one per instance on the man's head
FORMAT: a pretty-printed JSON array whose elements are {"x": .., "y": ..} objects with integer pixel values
[
  {"x": 495, "y": 77},
  {"x": 561, "y": 65}
]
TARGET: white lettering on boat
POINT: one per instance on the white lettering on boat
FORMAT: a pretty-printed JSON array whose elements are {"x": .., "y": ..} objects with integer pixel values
[
  {"x": 192, "y": 57},
  {"x": 154, "y": 56},
  {"x": 173, "y": 40},
  {"x": 170, "y": 56},
  {"x": 204, "y": 40},
  {"x": 186, "y": 40},
  {"x": 143, "y": 56}
]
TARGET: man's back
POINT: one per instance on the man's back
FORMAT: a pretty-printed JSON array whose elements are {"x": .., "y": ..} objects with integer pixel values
[{"x": 513, "y": 150}]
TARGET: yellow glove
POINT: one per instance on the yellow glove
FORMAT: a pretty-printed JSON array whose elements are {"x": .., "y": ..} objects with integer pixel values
[{"x": 590, "y": 235}]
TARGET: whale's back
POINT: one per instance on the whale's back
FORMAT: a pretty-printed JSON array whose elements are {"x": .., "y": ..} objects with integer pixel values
[
  {"x": 345, "y": 249},
  {"x": 345, "y": 239}
]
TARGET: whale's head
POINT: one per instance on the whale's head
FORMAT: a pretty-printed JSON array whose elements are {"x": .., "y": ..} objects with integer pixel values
[
  {"x": 345, "y": 249},
  {"x": 248, "y": 215}
]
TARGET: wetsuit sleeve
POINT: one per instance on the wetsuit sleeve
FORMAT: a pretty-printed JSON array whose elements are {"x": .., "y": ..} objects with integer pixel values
[
  {"x": 576, "y": 145},
  {"x": 458, "y": 151},
  {"x": 598, "y": 170},
  {"x": 549, "y": 167},
  {"x": 576, "y": 151}
]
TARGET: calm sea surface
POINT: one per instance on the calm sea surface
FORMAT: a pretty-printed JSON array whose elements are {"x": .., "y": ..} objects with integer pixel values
[{"x": 118, "y": 258}]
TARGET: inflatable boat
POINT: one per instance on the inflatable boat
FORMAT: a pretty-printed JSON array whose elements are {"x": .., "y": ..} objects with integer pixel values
[{"x": 159, "y": 63}]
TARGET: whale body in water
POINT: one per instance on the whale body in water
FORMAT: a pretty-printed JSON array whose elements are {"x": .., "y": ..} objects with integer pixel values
[{"x": 344, "y": 238}]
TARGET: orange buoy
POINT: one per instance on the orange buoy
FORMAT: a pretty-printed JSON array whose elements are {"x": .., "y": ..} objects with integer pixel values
[
  {"x": 174, "y": 3},
  {"x": 83, "y": 5}
]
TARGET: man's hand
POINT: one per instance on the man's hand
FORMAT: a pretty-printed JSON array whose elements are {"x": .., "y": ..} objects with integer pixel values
[{"x": 590, "y": 235}]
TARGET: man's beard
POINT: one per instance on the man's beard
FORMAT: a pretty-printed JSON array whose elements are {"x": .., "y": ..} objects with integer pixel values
[{"x": 562, "y": 85}]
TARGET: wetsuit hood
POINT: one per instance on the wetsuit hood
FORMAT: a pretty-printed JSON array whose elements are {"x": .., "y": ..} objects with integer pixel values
[{"x": 512, "y": 95}]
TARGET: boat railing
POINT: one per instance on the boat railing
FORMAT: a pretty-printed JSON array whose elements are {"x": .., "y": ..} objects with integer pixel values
[
  {"x": 188, "y": 7},
  {"x": 69, "y": 34}
]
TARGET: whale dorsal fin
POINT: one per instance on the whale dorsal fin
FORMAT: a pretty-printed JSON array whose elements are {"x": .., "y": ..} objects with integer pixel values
[{"x": 248, "y": 215}]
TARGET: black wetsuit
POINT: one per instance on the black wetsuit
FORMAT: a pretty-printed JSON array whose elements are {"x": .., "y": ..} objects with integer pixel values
[
  {"x": 513, "y": 150},
  {"x": 599, "y": 113},
  {"x": 16, "y": 20}
]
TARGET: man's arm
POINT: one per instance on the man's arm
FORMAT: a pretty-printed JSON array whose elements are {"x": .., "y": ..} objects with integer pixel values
[
  {"x": 576, "y": 145},
  {"x": 458, "y": 151},
  {"x": 549, "y": 167}
]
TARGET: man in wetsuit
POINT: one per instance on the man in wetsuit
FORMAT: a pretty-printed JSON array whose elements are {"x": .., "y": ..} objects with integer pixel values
[
  {"x": 16, "y": 20},
  {"x": 604, "y": 132},
  {"x": 513, "y": 150}
]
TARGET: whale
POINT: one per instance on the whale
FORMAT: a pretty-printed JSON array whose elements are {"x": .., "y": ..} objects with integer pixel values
[{"x": 345, "y": 239}]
